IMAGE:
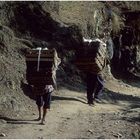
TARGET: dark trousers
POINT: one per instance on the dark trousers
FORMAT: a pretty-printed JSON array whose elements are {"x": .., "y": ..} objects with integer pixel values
[
  {"x": 44, "y": 100},
  {"x": 95, "y": 85}
]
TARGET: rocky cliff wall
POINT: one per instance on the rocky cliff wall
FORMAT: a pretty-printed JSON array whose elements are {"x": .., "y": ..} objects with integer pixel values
[{"x": 61, "y": 25}]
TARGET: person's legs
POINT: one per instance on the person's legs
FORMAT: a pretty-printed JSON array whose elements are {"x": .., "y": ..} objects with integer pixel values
[
  {"x": 39, "y": 102},
  {"x": 44, "y": 115},
  {"x": 91, "y": 83},
  {"x": 100, "y": 87},
  {"x": 39, "y": 110},
  {"x": 47, "y": 101},
  {"x": 89, "y": 95}
]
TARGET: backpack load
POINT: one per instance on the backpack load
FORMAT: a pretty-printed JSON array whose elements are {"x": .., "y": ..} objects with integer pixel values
[
  {"x": 91, "y": 57},
  {"x": 41, "y": 66}
]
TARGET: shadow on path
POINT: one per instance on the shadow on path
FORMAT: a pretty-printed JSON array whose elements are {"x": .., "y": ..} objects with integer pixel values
[
  {"x": 19, "y": 121},
  {"x": 114, "y": 97},
  {"x": 131, "y": 112},
  {"x": 68, "y": 99}
]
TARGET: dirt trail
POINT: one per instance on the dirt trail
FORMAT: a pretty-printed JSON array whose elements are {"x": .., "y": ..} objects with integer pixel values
[{"x": 70, "y": 117}]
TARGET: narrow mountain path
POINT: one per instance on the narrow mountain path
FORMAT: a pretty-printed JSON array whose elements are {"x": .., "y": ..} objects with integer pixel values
[{"x": 70, "y": 117}]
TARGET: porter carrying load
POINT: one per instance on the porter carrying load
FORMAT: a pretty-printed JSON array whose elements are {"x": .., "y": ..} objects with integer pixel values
[
  {"x": 91, "y": 57},
  {"x": 41, "y": 66}
]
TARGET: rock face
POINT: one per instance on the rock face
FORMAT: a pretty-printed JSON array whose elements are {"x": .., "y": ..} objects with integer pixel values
[{"x": 61, "y": 25}]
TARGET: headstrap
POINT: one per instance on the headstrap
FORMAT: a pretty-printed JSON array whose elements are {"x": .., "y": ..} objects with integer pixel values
[{"x": 38, "y": 61}]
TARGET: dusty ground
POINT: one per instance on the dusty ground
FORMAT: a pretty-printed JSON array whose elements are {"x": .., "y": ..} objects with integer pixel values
[{"x": 71, "y": 117}]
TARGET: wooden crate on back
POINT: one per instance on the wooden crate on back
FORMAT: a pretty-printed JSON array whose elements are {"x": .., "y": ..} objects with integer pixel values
[
  {"x": 40, "y": 71},
  {"x": 91, "y": 58}
]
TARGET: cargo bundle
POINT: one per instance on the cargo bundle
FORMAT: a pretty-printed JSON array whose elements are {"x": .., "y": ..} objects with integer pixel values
[
  {"x": 41, "y": 66},
  {"x": 91, "y": 57}
]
